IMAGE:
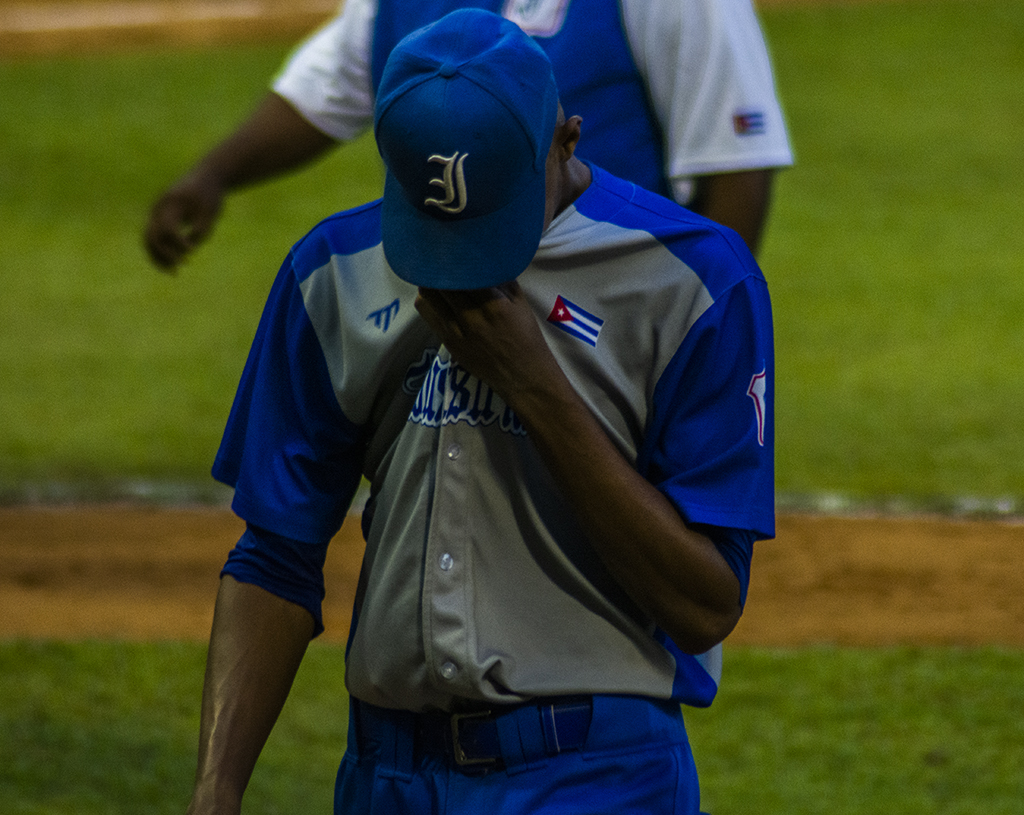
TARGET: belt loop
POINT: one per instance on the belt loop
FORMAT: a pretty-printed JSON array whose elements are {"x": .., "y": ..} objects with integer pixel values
[
  {"x": 521, "y": 737},
  {"x": 354, "y": 744},
  {"x": 405, "y": 745},
  {"x": 550, "y": 729},
  {"x": 402, "y": 736},
  {"x": 531, "y": 733},
  {"x": 395, "y": 730},
  {"x": 511, "y": 747}
]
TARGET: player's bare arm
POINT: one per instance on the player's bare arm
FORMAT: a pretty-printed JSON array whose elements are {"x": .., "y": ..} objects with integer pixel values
[
  {"x": 739, "y": 200},
  {"x": 672, "y": 571},
  {"x": 257, "y": 643},
  {"x": 275, "y": 139}
]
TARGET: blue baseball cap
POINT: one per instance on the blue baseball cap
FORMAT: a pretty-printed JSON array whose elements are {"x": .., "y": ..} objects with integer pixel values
[{"x": 464, "y": 118}]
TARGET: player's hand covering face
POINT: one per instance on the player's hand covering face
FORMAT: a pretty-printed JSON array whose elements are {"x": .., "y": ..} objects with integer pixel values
[{"x": 494, "y": 335}]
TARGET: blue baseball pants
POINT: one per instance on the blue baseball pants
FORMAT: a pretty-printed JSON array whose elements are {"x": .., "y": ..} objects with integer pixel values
[{"x": 600, "y": 755}]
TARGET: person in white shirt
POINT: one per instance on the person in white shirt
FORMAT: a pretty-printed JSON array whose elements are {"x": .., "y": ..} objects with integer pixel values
[{"x": 676, "y": 95}]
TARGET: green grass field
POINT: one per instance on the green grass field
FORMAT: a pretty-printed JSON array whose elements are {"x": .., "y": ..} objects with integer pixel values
[
  {"x": 113, "y": 371},
  {"x": 895, "y": 260},
  {"x": 893, "y": 253},
  {"x": 896, "y": 265},
  {"x": 111, "y": 728}
]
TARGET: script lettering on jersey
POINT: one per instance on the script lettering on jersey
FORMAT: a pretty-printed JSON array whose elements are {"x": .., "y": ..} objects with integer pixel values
[
  {"x": 382, "y": 316},
  {"x": 447, "y": 393},
  {"x": 417, "y": 372},
  {"x": 453, "y": 182}
]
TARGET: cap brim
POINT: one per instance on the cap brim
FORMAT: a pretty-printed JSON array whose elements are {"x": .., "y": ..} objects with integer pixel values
[{"x": 437, "y": 252}]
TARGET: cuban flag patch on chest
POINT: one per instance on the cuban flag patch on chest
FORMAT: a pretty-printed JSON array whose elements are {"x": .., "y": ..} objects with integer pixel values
[{"x": 575, "y": 321}]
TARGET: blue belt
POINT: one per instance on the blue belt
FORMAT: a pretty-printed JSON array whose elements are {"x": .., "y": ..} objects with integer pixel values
[
  {"x": 511, "y": 738},
  {"x": 484, "y": 740}
]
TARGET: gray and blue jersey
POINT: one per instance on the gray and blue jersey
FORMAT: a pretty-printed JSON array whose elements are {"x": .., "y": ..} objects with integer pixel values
[{"x": 477, "y": 582}]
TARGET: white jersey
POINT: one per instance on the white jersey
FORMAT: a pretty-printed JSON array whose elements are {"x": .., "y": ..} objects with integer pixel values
[{"x": 704, "y": 66}]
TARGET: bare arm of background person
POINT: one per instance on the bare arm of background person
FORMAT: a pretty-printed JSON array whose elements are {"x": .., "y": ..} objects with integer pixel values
[
  {"x": 737, "y": 200},
  {"x": 257, "y": 643},
  {"x": 275, "y": 140}
]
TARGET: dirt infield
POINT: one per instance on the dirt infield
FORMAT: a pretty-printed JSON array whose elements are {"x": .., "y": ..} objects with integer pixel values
[
  {"x": 33, "y": 27},
  {"x": 151, "y": 573},
  {"x": 77, "y": 26}
]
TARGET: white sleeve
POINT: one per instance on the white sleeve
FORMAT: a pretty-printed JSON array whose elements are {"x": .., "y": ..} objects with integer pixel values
[
  {"x": 709, "y": 76},
  {"x": 327, "y": 77}
]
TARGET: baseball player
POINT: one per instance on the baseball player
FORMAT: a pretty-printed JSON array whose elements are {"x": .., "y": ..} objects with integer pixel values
[
  {"x": 559, "y": 386},
  {"x": 678, "y": 96}
]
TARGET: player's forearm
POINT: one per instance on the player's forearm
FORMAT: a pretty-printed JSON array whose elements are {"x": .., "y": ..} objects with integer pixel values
[
  {"x": 274, "y": 140},
  {"x": 737, "y": 200},
  {"x": 676, "y": 574},
  {"x": 257, "y": 643}
]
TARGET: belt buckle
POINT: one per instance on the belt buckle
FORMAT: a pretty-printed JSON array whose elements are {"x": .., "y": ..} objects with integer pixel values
[{"x": 461, "y": 758}]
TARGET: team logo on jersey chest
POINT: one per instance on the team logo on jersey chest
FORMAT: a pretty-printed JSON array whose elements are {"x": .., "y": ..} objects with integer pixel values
[
  {"x": 447, "y": 393},
  {"x": 382, "y": 317}
]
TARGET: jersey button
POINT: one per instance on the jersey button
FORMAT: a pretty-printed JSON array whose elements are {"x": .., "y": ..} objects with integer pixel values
[
  {"x": 446, "y": 562},
  {"x": 448, "y": 670},
  {"x": 454, "y": 452}
]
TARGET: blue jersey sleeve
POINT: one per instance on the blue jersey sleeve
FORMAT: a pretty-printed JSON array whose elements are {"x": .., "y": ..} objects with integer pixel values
[
  {"x": 292, "y": 456},
  {"x": 710, "y": 441},
  {"x": 736, "y": 546},
  {"x": 290, "y": 569}
]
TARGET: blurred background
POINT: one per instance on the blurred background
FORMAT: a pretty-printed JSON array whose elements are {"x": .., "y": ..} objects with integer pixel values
[
  {"x": 894, "y": 249},
  {"x": 895, "y": 257}
]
